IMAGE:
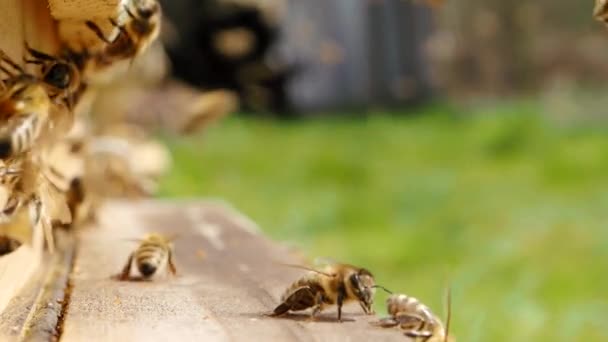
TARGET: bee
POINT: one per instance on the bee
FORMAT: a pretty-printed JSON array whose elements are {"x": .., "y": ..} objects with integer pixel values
[
  {"x": 154, "y": 252},
  {"x": 29, "y": 215},
  {"x": 335, "y": 284},
  {"x": 60, "y": 75},
  {"x": 416, "y": 319},
  {"x": 140, "y": 30},
  {"x": 600, "y": 11},
  {"x": 47, "y": 203},
  {"x": 24, "y": 110}
]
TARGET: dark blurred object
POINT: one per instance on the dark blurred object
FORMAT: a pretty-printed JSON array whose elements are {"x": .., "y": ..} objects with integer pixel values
[
  {"x": 226, "y": 45},
  {"x": 358, "y": 53},
  {"x": 8, "y": 245},
  {"x": 314, "y": 55}
]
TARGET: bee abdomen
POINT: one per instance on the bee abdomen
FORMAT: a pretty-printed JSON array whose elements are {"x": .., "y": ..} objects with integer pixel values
[
  {"x": 149, "y": 258},
  {"x": 19, "y": 135}
]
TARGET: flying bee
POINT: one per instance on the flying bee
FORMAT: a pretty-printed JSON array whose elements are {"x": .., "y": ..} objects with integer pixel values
[
  {"x": 140, "y": 30},
  {"x": 154, "y": 252},
  {"x": 416, "y": 319},
  {"x": 335, "y": 284}
]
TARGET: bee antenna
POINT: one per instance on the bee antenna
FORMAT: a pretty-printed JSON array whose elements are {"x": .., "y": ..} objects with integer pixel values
[
  {"x": 383, "y": 288},
  {"x": 307, "y": 268},
  {"x": 449, "y": 312}
]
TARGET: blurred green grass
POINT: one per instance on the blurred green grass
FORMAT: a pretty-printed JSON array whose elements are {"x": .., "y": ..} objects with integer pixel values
[{"x": 510, "y": 209}]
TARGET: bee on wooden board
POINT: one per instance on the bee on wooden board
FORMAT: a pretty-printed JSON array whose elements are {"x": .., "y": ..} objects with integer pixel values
[
  {"x": 140, "y": 30},
  {"x": 154, "y": 252},
  {"x": 416, "y": 319},
  {"x": 336, "y": 284}
]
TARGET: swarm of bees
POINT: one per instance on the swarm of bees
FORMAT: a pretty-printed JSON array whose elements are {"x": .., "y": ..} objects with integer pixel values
[{"x": 52, "y": 171}]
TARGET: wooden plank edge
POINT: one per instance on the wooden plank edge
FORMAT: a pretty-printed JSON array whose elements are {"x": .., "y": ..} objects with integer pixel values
[{"x": 44, "y": 321}]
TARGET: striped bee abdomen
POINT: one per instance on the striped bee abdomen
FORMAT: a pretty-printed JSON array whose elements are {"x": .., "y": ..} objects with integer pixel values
[
  {"x": 150, "y": 256},
  {"x": 19, "y": 134}
]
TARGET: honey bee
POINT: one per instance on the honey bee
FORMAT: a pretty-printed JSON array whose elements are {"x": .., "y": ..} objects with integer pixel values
[
  {"x": 140, "y": 30},
  {"x": 335, "y": 284},
  {"x": 416, "y": 319},
  {"x": 154, "y": 252},
  {"x": 24, "y": 110},
  {"x": 60, "y": 75},
  {"x": 47, "y": 203}
]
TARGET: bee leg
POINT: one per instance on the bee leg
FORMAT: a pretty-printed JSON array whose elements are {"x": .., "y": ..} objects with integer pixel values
[
  {"x": 171, "y": 265},
  {"x": 121, "y": 28},
  {"x": 367, "y": 310},
  {"x": 93, "y": 27},
  {"x": 318, "y": 306},
  {"x": 340, "y": 302},
  {"x": 424, "y": 335},
  {"x": 5, "y": 58},
  {"x": 39, "y": 55},
  {"x": 124, "y": 274},
  {"x": 386, "y": 322},
  {"x": 129, "y": 13}
]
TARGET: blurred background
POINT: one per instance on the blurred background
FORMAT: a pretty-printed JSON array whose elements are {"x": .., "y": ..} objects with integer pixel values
[{"x": 461, "y": 142}]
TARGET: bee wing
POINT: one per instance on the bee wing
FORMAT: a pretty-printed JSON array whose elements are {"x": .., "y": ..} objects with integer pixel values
[
  {"x": 385, "y": 322},
  {"x": 409, "y": 320},
  {"x": 53, "y": 201},
  {"x": 324, "y": 261},
  {"x": 62, "y": 166},
  {"x": 301, "y": 298}
]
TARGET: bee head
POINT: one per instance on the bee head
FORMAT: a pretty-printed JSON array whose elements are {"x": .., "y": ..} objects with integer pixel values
[{"x": 362, "y": 284}]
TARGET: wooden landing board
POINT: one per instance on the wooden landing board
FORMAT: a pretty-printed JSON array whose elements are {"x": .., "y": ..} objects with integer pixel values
[{"x": 227, "y": 279}]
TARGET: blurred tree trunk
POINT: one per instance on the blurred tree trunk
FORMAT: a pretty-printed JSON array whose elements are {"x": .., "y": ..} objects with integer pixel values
[{"x": 356, "y": 53}]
